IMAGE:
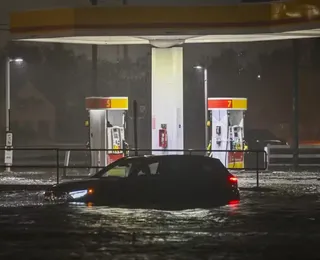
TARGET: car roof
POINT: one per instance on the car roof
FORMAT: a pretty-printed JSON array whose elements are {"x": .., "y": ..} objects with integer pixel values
[
  {"x": 186, "y": 156},
  {"x": 217, "y": 162}
]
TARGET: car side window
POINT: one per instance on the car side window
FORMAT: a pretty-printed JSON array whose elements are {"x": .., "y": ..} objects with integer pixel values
[
  {"x": 143, "y": 171},
  {"x": 118, "y": 171},
  {"x": 154, "y": 168},
  {"x": 173, "y": 167},
  {"x": 144, "y": 168}
]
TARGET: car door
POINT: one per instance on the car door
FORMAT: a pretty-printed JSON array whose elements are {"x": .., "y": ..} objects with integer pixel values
[
  {"x": 113, "y": 187},
  {"x": 195, "y": 180},
  {"x": 151, "y": 182},
  {"x": 140, "y": 183},
  {"x": 172, "y": 183}
]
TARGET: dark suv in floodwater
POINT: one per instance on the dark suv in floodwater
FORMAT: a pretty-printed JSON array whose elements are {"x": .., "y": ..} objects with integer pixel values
[{"x": 164, "y": 182}]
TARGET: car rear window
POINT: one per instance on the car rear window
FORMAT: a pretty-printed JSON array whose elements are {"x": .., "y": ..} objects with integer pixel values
[
  {"x": 213, "y": 166},
  {"x": 191, "y": 165}
]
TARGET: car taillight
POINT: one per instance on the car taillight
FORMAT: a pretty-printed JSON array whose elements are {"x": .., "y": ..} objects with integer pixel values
[
  {"x": 233, "y": 179},
  {"x": 233, "y": 202}
]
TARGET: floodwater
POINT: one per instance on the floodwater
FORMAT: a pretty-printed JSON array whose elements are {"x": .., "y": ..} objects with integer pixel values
[{"x": 279, "y": 222}]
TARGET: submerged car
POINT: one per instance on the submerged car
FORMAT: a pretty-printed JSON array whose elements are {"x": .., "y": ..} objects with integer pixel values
[{"x": 159, "y": 182}]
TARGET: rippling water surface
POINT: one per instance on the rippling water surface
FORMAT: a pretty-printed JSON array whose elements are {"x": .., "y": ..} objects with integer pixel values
[{"x": 282, "y": 222}]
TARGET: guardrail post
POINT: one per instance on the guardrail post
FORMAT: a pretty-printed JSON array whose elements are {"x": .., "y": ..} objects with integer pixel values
[
  {"x": 66, "y": 162},
  {"x": 295, "y": 103},
  {"x": 257, "y": 168},
  {"x": 135, "y": 127},
  {"x": 58, "y": 166},
  {"x": 124, "y": 148},
  {"x": 266, "y": 157}
]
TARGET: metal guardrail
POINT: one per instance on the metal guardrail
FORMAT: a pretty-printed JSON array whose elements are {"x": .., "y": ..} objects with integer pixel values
[
  {"x": 281, "y": 156},
  {"x": 58, "y": 159},
  {"x": 50, "y": 146}
]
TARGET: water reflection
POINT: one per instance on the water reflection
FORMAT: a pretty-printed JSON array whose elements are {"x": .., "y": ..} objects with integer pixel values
[
  {"x": 153, "y": 225},
  {"x": 261, "y": 220}
]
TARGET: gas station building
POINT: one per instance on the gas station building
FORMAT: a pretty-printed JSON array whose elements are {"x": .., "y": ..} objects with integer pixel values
[{"x": 166, "y": 30}]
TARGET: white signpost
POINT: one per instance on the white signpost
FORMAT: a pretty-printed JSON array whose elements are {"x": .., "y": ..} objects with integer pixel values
[
  {"x": 8, "y": 153},
  {"x": 9, "y": 139}
]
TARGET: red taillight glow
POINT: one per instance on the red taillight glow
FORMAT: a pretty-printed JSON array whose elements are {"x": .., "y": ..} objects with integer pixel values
[
  {"x": 233, "y": 179},
  {"x": 233, "y": 202}
]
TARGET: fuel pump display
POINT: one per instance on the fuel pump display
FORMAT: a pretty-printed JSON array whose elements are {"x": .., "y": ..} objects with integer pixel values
[
  {"x": 236, "y": 159},
  {"x": 116, "y": 142},
  {"x": 227, "y": 135}
]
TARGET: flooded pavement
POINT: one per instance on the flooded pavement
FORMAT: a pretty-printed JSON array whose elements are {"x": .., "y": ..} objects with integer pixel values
[{"x": 282, "y": 222}]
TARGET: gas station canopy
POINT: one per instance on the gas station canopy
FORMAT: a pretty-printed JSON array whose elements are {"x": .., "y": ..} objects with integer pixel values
[
  {"x": 167, "y": 29},
  {"x": 168, "y": 26}
]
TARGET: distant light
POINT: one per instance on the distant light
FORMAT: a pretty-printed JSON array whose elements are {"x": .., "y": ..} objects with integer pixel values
[
  {"x": 259, "y": 77},
  {"x": 198, "y": 67},
  {"x": 17, "y": 60}
]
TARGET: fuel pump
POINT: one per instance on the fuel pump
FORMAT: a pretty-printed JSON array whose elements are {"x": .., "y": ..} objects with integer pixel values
[
  {"x": 227, "y": 135},
  {"x": 115, "y": 143},
  {"x": 236, "y": 145},
  {"x": 236, "y": 137},
  {"x": 106, "y": 129}
]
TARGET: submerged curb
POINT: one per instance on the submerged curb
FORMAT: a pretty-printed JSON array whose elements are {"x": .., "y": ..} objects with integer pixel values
[
  {"x": 24, "y": 187},
  {"x": 261, "y": 189}
]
